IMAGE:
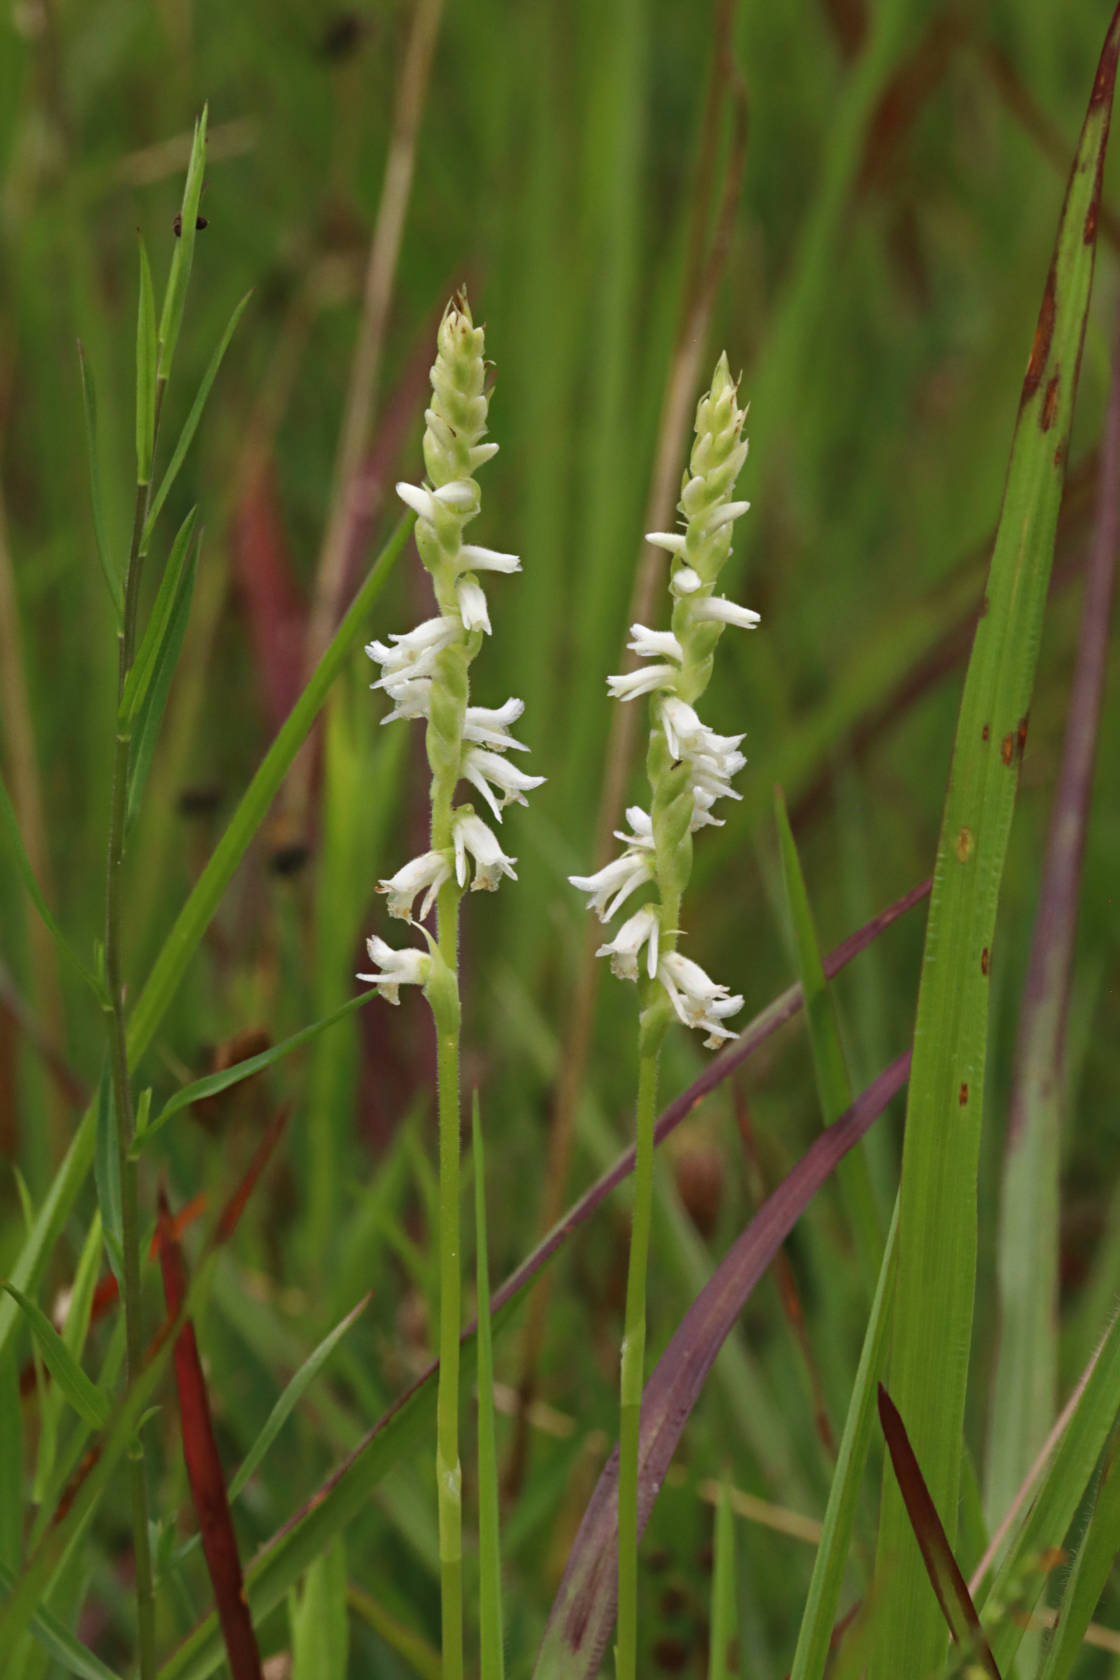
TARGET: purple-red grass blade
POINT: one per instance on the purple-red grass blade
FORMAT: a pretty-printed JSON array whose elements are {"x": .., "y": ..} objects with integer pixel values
[
  {"x": 204, "y": 1469},
  {"x": 582, "y": 1617},
  {"x": 941, "y": 1566}
]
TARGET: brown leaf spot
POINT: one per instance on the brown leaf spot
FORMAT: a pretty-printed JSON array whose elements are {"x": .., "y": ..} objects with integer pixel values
[
  {"x": 986, "y": 732},
  {"x": 965, "y": 846},
  {"x": 1022, "y": 736},
  {"x": 1059, "y": 457},
  {"x": 1049, "y": 405},
  {"x": 1007, "y": 747},
  {"x": 985, "y": 962},
  {"x": 963, "y": 1098},
  {"x": 1091, "y": 223},
  {"x": 1040, "y": 349}
]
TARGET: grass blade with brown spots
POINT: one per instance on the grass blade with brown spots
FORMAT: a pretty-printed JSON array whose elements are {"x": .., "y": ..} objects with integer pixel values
[
  {"x": 204, "y": 1468},
  {"x": 933, "y": 1308}
]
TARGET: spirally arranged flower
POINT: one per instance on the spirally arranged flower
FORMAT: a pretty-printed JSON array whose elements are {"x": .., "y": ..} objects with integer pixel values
[
  {"x": 690, "y": 766},
  {"x": 425, "y": 671}
]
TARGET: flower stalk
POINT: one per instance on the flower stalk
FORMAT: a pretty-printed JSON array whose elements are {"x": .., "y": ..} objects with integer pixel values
[
  {"x": 425, "y": 672},
  {"x": 689, "y": 768}
]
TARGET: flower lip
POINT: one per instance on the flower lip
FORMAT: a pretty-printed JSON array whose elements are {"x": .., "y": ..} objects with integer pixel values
[
  {"x": 489, "y": 725},
  {"x": 648, "y": 678},
  {"x": 611, "y": 886},
  {"x": 642, "y": 928},
  {"x": 472, "y": 605},
  {"x": 489, "y": 770}
]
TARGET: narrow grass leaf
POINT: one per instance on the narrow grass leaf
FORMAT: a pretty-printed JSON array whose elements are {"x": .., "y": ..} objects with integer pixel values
[
  {"x": 89, "y": 413},
  {"x": 107, "y": 1175},
  {"x": 320, "y": 1629},
  {"x": 139, "y": 679},
  {"x": 165, "y": 658},
  {"x": 934, "y": 1296},
  {"x": 56, "y": 1638},
  {"x": 190, "y": 426},
  {"x": 214, "y": 1082},
  {"x": 145, "y": 371},
  {"x": 1019, "y": 1580},
  {"x": 582, "y": 1615},
  {"x": 11, "y": 1464},
  {"x": 82, "y": 1393},
  {"x": 814, "y": 1636},
  {"x": 834, "y": 1087},
  {"x": 491, "y": 1641},
  {"x": 1025, "y": 1386},
  {"x": 27, "y": 875},
  {"x": 724, "y": 1622},
  {"x": 418, "y": 1656},
  {"x": 949, "y": 1586},
  {"x": 1089, "y": 1576},
  {"x": 291, "y": 1397},
  {"x": 204, "y": 1468},
  {"x": 175, "y": 297}
]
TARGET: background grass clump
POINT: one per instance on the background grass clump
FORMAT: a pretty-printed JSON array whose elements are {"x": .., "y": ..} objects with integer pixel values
[{"x": 860, "y": 203}]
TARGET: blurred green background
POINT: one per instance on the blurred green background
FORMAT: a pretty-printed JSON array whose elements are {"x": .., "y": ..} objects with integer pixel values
[{"x": 875, "y": 274}]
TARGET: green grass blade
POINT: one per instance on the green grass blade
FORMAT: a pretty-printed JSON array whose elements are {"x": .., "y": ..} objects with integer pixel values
[
  {"x": 1089, "y": 1575},
  {"x": 89, "y": 414},
  {"x": 1019, "y": 1581},
  {"x": 724, "y": 1617},
  {"x": 834, "y": 1087},
  {"x": 54, "y": 1637},
  {"x": 139, "y": 679},
  {"x": 937, "y": 1233},
  {"x": 166, "y": 657},
  {"x": 175, "y": 297},
  {"x": 11, "y": 1464},
  {"x": 834, "y": 1549},
  {"x": 10, "y": 828},
  {"x": 190, "y": 427},
  {"x": 292, "y": 1396},
  {"x": 145, "y": 372},
  {"x": 82, "y": 1393},
  {"x": 320, "y": 1632},
  {"x": 215, "y": 1082},
  {"x": 491, "y": 1642},
  {"x": 195, "y": 915}
]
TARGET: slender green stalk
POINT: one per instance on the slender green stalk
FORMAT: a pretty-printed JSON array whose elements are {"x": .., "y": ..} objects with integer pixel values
[
  {"x": 118, "y": 1063},
  {"x": 490, "y": 1641},
  {"x": 448, "y": 1470},
  {"x": 633, "y": 1373}
]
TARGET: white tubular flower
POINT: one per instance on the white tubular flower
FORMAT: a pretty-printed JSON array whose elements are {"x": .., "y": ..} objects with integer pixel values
[
  {"x": 489, "y": 770},
  {"x": 642, "y": 928},
  {"x": 411, "y": 699},
  {"x": 646, "y": 680},
  {"x": 398, "y": 968},
  {"x": 472, "y": 604},
  {"x": 425, "y": 874},
  {"x": 692, "y": 740},
  {"x": 489, "y": 725},
  {"x": 698, "y": 1000},
  {"x": 717, "y": 609},
  {"x": 642, "y": 824},
  {"x": 611, "y": 886},
  {"x": 475, "y": 559},
  {"x": 471, "y": 835},
  {"x": 672, "y": 541},
  {"x": 727, "y": 514},
  {"x": 415, "y": 652},
  {"x": 654, "y": 644},
  {"x": 459, "y": 496}
]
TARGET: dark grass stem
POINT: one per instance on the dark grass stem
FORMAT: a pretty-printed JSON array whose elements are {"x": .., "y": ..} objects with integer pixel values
[
  {"x": 118, "y": 1062},
  {"x": 633, "y": 1373}
]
